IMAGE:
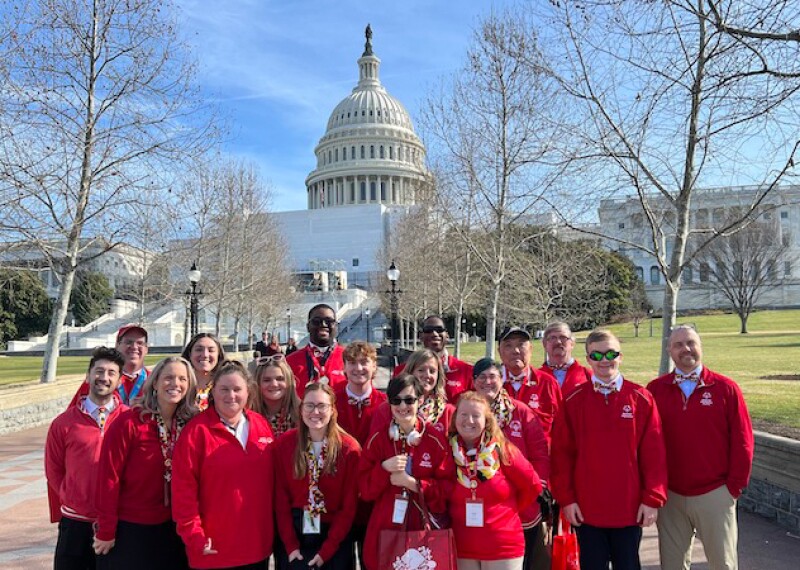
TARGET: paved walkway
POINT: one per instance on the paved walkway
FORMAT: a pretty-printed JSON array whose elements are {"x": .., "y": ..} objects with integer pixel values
[{"x": 27, "y": 538}]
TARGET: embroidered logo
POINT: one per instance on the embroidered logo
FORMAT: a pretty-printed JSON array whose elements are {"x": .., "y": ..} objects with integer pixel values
[
  {"x": 516, "y": 428},
  {"x": 627, "y": 412},
  {"x": 533, "y": 403},
  {"x": 426, "y": 461},
  {"x": 706, "y": 399},
  {"x": 454, "y": 383},
  {"x": 415, "y": 559},
  {"x": 264, "y": 440},
  {"x": 439, "y": 426}
]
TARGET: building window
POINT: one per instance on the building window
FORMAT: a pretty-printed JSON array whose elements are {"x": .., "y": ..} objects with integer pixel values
[
  {"x": 336, "y": 155},
  {"x": 767, "y": 215},
  {"x": 363, "y": 197},
  {"x": 372, "y": 151},
  {"x": 640, "y": 273},
  {"x": 352, "y": 192},
  {"x": 704, "y": 272},
  {"x": 372, "y": 195},
  {"x": 787, "y": 268},
  {"x": 686, "y": 276},
  {"x": 381, "y": 152},
  {"x": 784, "y": 215},
  {"x": 383, "y": 191},
  {"x": 329, "y": 157},
  {"x": 352, "y": 153},
  {"x": 363, "y": 152},
  {"x": 655, "y": 275},
  {"x": 621, "y": 225},
  {"x": 355, "y": 262},
  {"x": 391, "y": 153}
]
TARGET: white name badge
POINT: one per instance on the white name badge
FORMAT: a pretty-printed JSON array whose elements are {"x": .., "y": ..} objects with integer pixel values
[
  {"x": 400, "y": 508},
  {"x": 475, "y": 513},
  {"x": 311, "y": 523}
]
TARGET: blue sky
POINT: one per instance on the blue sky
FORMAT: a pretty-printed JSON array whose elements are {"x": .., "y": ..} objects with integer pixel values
[{"x": 278, "y": 68}]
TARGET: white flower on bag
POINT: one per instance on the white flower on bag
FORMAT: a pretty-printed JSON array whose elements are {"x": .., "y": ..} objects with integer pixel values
[{"x": 415, "y": 559}]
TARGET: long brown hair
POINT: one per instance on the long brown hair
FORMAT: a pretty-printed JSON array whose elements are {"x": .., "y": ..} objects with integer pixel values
[
  {"x": 491, "y": 424},
  {"x": 290, "y": 404},
  {"x": 333, "y": 437},
  {"x": 421, "y": 356},
  {"x": 148, "y": 402}
]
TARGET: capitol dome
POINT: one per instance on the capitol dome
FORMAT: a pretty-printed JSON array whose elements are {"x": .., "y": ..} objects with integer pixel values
[{"x": 369, "y": 153}]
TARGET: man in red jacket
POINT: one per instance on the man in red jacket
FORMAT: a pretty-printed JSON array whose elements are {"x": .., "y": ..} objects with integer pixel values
[
  {"x": 321, "y": 360},
  {"x": 536, "y": 389},
  {"x": 457, "y": 372},
  {"x": 608, "y": 464},
  {"x": 72, "y": 452},
  {"x": 558, "y": 342},
  {"x": 709, "y": 441}
]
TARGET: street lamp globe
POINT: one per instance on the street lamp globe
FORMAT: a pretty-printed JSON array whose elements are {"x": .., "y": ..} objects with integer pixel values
[
  {"x": 194, "y": 274},
  {"x": 393, "y": 273}
]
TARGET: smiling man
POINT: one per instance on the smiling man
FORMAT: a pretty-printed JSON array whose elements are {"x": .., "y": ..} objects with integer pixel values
[
  {"x": 709, "y": 441},
  {"x": 321, "y": 360},
  {"x": 458, "y": 373},
  {"x": 132, "y": 343},
  {"x": 559, "y": 342},
  {"x": 72, "y": 452}
]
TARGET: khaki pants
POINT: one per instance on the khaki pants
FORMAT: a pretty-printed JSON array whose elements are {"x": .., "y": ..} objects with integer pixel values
[
  {"x": 712, "y": 517},
  {"x": 509, "y": 564}
]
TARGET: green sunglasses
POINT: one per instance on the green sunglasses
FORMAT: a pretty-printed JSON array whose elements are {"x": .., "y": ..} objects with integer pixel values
[{"x": 608, "y": 355}]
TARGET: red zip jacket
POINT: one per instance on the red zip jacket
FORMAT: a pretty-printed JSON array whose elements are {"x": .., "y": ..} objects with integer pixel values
[
  {"x": 540, "y": 392},
  {"x": 350, "y": 419},
  {"x": 458, "y": 377},
  {"x": 223, "y": 492},
  {"x": 339, "y": 489},
  {"x": 577, "y": 374},
  {"x": 608, "y": 455},
  {"x": 383, "y": 415},
  {"x": 130, "y": 480},
  {"x": 334, "y": 368},
  {"x": 709, "y": 436},
  {"x": 431, "y": 465},
  {"x": 512, "y": 489},
  {"x": 525, "y": 431},
  {"x": 71, "y": 459}
]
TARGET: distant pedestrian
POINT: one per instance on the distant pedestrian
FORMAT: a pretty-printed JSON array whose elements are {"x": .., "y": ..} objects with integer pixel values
[
  {"x": 709, "y": 441},
  {"x": 291, "y": 346},
  {"x": 260, "y": 348}
]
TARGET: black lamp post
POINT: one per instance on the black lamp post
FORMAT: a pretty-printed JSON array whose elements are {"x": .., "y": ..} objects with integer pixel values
[
  {"x": 394, "y": 274},
  {"x": 650, "y": 313},
  {"x": 193, "y": 294},
  {"x": 367, "y": 313},
  {"x": 288, "y": 324},
  {"x": 473, "y": 329}
]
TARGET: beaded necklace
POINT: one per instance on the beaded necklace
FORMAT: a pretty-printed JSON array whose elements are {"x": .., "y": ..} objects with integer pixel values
[{"x": 168, "y": 439}]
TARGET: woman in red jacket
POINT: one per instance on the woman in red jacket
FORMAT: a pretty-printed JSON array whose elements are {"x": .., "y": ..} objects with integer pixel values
[
  {"x": 276, "y": 397},
  {"x": 397, "y": 463},
  {"x": 134, "y": 522},
  {"x": 494, "y": 483},
  {"x": 205, "y": 353},
  {"x": 224, "y": 479},
  {"x": 316, "y": 486}
]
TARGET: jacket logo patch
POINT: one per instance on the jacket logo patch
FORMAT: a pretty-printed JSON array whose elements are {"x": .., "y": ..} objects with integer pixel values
[
  {"x": 516, "y": 428},
  {"x": 426, "y": 461},
  {"x": 533, "y": 403},
  {"x": 627, "y": 412},
  {"x": 454, "y": 383},
  {"x": 706, "y": 399},
  {"x": 439, "y": 426}
]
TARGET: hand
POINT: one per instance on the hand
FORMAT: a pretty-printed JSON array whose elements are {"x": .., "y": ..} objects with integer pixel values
[
  {"x": 316, "y": 561},
  {"x": 208, "y": 549},
  {"x": 403, "y": 479},
  {"x": 295, "y": 555},
  {"x": 396, "y": 463},
  {"x": 573, "y": 514},
  {"x": 646, "y": 515},
  {"x": 102, "y": 546}
]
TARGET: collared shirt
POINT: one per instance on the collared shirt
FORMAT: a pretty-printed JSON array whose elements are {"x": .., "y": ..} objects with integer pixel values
[
  {"x": 516, "y": 381},
  {"x": 687, "y": 386},
  {"x": 322, "y": 349},
  {"x": 94, "y": 410},
  {"x": 363, "y": 396},
  {"x": 606, "y": 388},
  {"x": 561, "y": 374},
  {"x": 240, "y": 431}
]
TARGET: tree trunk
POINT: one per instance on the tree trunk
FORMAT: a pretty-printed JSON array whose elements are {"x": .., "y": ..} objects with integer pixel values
[
  {"x": 51, "y": 351},
  {"x": 459, "y": 313},
  {"x": 236, "y": 322},
  {"x": 491, "y": 318},
  {"x": 743, "y": 320},
  {"x": 669, "y": 315}
]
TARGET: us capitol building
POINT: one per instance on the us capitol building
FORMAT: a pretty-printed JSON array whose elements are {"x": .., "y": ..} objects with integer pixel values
[{"x": 370, "y": 168}]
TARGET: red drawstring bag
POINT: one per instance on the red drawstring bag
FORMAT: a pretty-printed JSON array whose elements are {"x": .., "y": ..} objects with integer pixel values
[
  {"x": 566, "y": 554},
  {"x": 411, "y": 549}
]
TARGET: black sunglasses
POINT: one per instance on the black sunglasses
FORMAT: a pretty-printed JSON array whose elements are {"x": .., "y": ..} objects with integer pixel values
[
  {"x": 608, "y": 355},
  {"x": 319, "y": 321},
  {"x": 407, "y": 400},
  {"x": 433, "y": 329}
]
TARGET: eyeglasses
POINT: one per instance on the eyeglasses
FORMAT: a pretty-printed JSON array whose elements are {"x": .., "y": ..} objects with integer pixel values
[
  {"x": 319, "y": 321},
  {"x": 608, "y": 355},
  {"x": 407, "y": 400},
  {"x": 491, "y": 377},
  {"x": 433, "y": 329},
  {"x": 562, "y": 339},
  {"x": 309, "y": 408},
  {"x": 271, "y": 358}
]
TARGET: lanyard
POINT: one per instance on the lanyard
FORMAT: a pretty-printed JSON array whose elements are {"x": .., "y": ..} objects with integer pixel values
[
  {"x": 317, "y": 365},
  {"x": 137, "y": 387}
]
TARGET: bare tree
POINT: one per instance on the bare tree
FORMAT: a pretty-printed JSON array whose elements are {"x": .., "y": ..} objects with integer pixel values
[
  {"x": 745, "y": 266},
  {"x": 662, "y": 102},
  {"x": 99, "y": 104},
  {"x": 482, "y": 128}
]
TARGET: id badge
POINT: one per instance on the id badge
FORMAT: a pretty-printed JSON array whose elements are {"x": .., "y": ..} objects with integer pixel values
[
  {"x": 400, "y": 508},
  {"x": 311, "y": 523},
  {"x": 474, "y": 513}
]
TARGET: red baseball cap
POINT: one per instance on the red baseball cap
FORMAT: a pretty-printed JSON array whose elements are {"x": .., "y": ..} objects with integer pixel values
[{"x": 133, "y": 327}]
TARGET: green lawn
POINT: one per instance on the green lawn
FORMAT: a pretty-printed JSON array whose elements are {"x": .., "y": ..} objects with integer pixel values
[
  {"x": 772, "y": 348},
  {"x": 20, "y": 369}
]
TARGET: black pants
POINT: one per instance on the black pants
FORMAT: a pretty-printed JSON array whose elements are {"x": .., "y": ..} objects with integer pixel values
[
  {"x": 619, "y": 546},
  {"x": 536, "y": 554},
  {"x": 145, "y": 547},
  {"x": 311, "y": 543},
  {"x": 254, "y": 566},
  {"x": 74, "y": 547}
]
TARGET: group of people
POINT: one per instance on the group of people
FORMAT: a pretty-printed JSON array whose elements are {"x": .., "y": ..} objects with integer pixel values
[{"x": 204, "y": 463}]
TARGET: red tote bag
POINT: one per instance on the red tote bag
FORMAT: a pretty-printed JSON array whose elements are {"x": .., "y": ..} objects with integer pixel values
[
  {"x": 425, "y": 549},
  {"x": 566, "y": 554}
]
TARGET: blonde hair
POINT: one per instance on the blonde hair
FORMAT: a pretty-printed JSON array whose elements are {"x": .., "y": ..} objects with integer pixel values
[
  {"x": 600, "y": 335},
  {"x": 422, "y": 356},
  {"x": 148, "y": 401},
  {"x": 359, "y": 349},
  {"x": 333, "y": 436},
  {"x": 290, "y": 403},
  {"x": 491, "y": 423},
  {"x": 232, "y": 367}
]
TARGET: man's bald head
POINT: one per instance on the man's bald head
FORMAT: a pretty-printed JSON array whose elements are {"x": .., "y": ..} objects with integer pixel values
[{"x": 685, "y": 348}]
